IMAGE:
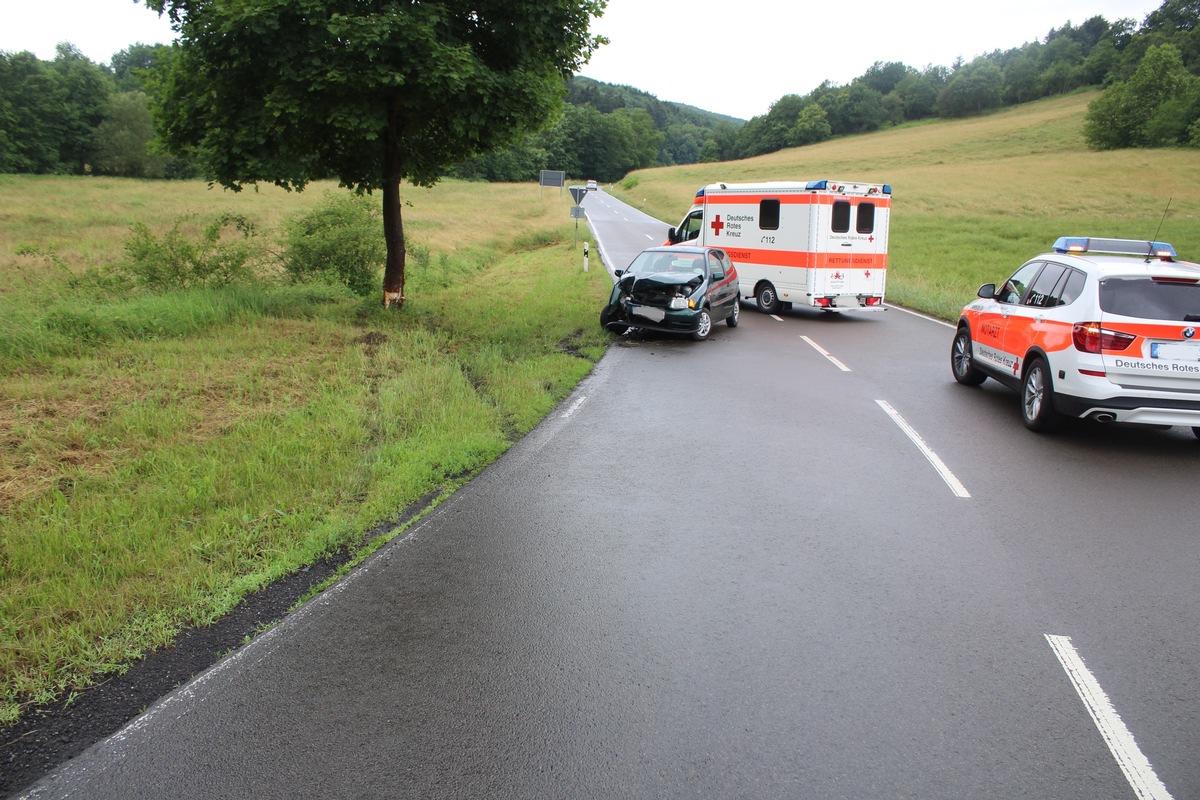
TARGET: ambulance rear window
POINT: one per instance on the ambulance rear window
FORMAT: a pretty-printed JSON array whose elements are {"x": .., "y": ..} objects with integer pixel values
[
  {"x": 841, "y": 216},
  {"x": 865, "y": 222},
  {"x": 768, "y": 214}
]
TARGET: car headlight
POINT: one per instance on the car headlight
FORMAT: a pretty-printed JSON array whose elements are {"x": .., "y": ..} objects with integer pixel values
[{"x": 679, "y": 302}]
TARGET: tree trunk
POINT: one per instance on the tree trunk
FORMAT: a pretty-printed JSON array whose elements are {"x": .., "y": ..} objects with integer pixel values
[{"x": 393, "y": 222}]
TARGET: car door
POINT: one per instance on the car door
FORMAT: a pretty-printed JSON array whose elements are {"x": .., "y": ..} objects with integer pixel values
[
  {"x": 1030, "y": 323},
  {"x": 993, "y": 316},
  {"x": 722, "y": 284}
]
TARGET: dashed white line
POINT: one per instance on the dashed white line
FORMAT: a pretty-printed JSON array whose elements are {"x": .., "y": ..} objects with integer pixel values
[
  {"x": 954, "y": 483},
  {"x": 826, "y": 353},
  {"x": 1125, "y": 750}
]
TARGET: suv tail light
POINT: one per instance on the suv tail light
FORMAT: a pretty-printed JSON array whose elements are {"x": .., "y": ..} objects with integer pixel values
[{"x": 1091, "y": 338}]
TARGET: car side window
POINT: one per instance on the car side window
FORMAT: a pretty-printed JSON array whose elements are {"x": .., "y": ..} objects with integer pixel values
[
  {"x": 1072, "y": 287},
  {"x": 1014, "y": 288},
  {"x": 1041, "y": 293},
  {"x": 718, "y": 264}
]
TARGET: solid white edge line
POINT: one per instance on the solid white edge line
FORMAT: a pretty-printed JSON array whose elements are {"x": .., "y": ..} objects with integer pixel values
[
  {"x": 919, "y": 314},
  {"x": 954, "y": 483},
  {"x": 1125, "y": 750},
  {"x": 574, "y": 407},
  {"x": 825, "y": 353}
]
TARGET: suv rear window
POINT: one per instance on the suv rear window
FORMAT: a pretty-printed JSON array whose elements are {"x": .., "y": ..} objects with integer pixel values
[{"x": 1146, "y": 298}]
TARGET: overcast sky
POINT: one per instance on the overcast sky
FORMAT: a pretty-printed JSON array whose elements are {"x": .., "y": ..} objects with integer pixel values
[{"x": 733, "y": 57}]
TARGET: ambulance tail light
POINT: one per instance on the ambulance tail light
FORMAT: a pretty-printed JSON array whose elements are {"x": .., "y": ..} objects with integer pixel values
[
  {"x": 874, "y": 301},
  {"x": 1089, "y": 337},
  {"x": 824, "y": 302}
]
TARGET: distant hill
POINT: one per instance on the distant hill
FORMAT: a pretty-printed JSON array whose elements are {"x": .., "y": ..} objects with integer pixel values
[{"x": 608, "y": 97}]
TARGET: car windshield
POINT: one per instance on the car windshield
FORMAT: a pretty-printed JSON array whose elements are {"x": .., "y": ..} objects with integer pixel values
[
  {"x": 1149, "y": 298},
  {"x": 653, "y": 262}
]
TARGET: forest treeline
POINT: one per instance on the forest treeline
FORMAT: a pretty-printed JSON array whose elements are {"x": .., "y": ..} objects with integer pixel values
[{"x": 74, "y": 116}]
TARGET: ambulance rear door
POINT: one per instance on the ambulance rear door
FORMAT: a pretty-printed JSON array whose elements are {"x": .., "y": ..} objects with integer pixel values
[{"x": 850, "y": 248}]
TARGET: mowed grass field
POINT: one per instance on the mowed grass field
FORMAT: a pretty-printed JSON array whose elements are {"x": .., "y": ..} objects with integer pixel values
[
  {"x": 162, "y": 455},
  {"x": 973, "y": 199}
]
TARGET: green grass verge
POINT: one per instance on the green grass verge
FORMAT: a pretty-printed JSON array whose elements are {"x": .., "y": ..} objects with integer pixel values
[{"x": 161, "y": 456}]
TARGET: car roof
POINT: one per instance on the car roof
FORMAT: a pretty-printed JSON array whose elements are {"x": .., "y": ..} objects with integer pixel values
[
  {"x": 1106, "y": 266},
  {"x": 679, "y": 248}
]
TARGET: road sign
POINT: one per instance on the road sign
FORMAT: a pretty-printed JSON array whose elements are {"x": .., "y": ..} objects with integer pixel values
[
  {"x": 578, "y": 192},
  {"x": 578, "y": 212}
]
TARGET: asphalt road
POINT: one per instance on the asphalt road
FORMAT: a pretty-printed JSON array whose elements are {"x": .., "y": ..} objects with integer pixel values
[{"x": 794, "y": 560}]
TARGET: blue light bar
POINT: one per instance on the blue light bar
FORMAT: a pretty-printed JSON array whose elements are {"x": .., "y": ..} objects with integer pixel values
[
  {"x": 821, "y": 186},
  {"x": 1127, "y": 247}
]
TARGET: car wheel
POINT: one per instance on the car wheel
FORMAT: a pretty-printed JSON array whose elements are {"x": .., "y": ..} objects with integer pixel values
[
  {"x": 704, "y": 328},
  {"x": 768, "y": 301},
  {"x": 606, "y": 316},
  {"x": 1037, "y": 398},
  {"x": 960, "y": 360},
  {"x": 734, "y": 314}
]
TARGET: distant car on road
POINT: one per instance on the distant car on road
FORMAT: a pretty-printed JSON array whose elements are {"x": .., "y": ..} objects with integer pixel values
[
  {"x": 1104, "y": 329},
  {"x": 674, "y": 289},
  {"x": 591, "y": 186}
]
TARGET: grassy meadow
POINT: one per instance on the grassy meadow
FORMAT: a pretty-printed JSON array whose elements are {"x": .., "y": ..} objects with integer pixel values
[
  {"x": 972, "y": 199},
  {"x": 163, "y": 454}
]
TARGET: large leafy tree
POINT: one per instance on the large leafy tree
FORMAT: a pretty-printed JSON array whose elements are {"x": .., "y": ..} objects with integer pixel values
[
  {"x": 369, "y": 91},
  {"x": 1154, "y": 108}
]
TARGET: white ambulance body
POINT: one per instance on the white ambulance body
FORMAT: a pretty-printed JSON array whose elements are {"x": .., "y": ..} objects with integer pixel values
[{"x": 820, "y": 244}]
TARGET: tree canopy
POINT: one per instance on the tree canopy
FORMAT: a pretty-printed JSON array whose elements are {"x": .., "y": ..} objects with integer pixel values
[{"x": 371, "y": 94}]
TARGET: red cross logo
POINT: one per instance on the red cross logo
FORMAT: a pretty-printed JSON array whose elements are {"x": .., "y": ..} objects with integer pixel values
[
  {"x": 717, "y": 225},
  {"x": 868, "y": 274}
]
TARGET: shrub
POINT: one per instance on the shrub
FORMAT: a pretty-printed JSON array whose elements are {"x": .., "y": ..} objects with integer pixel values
[
  {"x": 340, "y": 241},
  {"x": 223, "y": 253}
]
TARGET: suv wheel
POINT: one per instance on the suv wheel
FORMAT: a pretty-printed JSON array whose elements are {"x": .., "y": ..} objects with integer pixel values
[
  {"x": 961, "y": 362},
  {"x": 1037, "y": 397}
]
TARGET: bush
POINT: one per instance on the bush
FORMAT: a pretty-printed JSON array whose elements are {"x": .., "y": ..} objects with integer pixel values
[
  {"x": 339, "y": 241},
  {"x": 223, "y": 253}
]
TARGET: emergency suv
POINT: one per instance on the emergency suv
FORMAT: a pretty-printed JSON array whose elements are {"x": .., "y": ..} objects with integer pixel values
[{"x": 1103, "y": 329}]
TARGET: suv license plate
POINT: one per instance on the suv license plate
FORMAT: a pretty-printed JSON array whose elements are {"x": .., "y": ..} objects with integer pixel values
[{"x": 1176, "y": 351}]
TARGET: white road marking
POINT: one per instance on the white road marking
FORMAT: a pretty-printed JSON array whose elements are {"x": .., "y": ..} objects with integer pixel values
[
  {"x": 574, "y": 406},
  {"x": 922, "y": 316},
  {"x": 1125, "y": 750},
  {"x": 825, "y": 353},
  {"x": 954, "y": 483}
]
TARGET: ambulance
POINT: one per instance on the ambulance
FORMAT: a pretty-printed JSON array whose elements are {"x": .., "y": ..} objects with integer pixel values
[{"x": 816, "y": 244}]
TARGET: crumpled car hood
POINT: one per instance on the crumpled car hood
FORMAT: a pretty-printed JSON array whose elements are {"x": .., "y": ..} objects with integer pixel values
[{"x": 659, "y": 287}]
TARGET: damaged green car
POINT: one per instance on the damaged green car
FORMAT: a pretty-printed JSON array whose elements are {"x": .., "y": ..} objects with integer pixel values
[{"x": 677, "y": 289}]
